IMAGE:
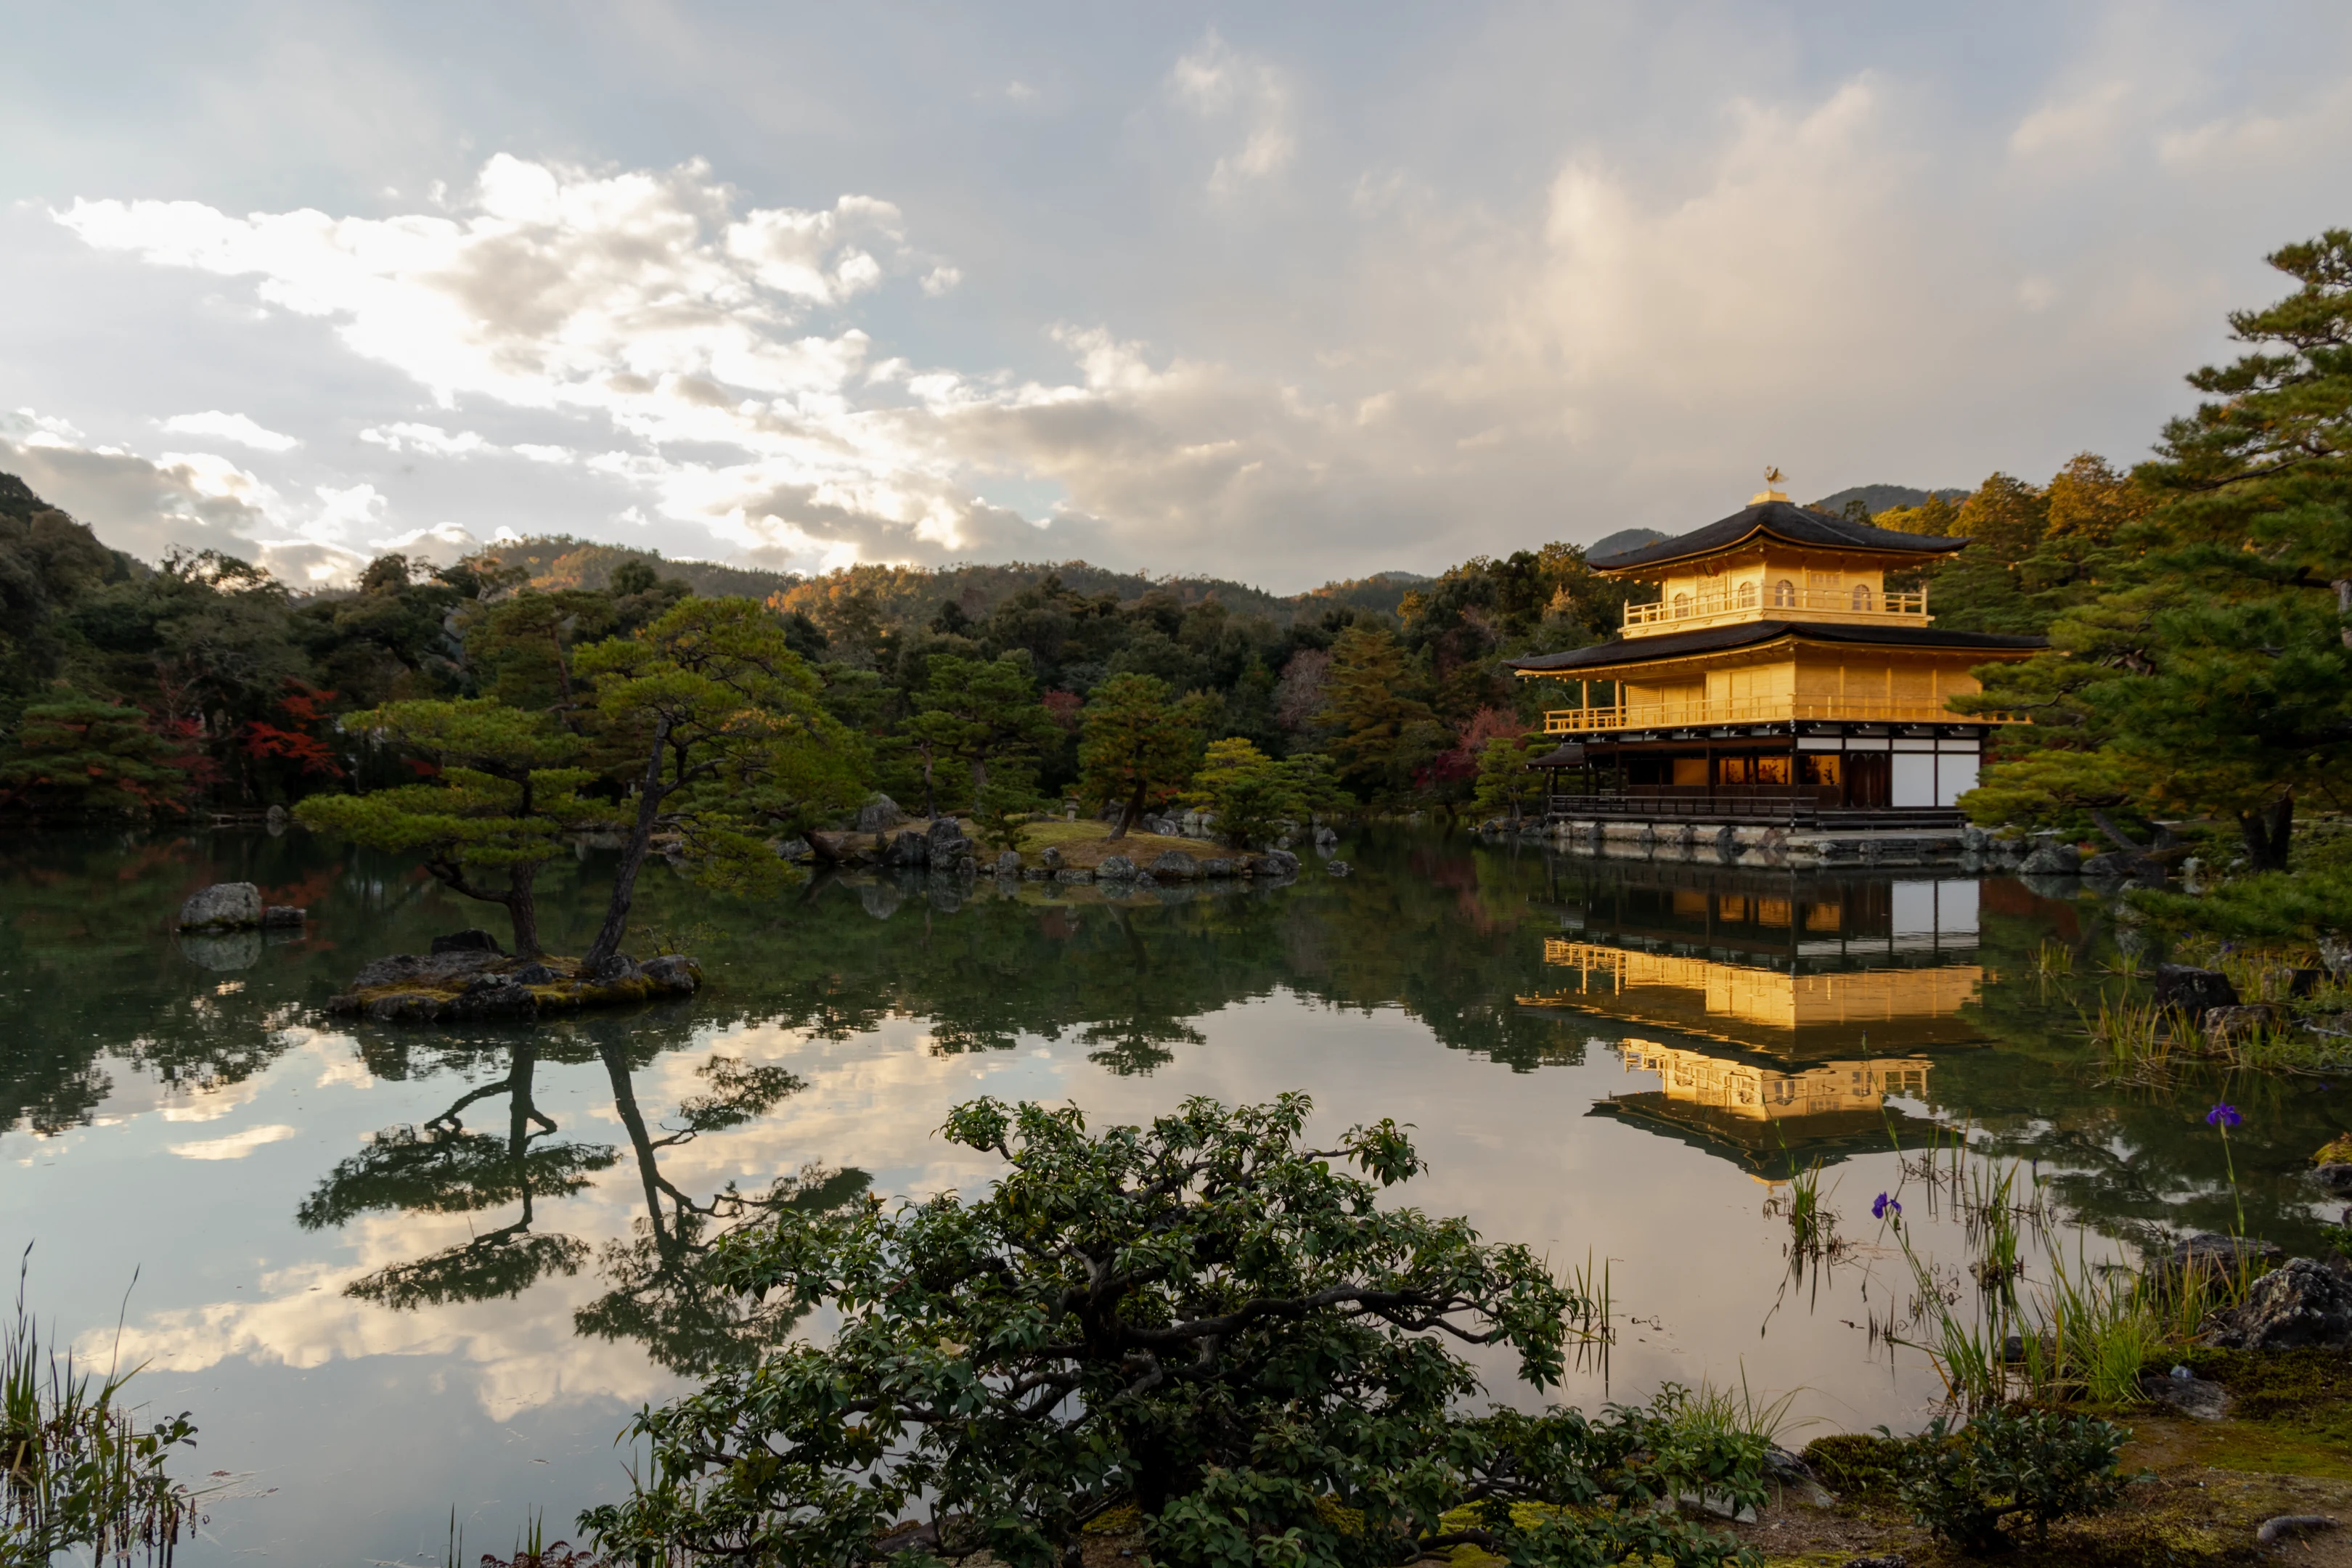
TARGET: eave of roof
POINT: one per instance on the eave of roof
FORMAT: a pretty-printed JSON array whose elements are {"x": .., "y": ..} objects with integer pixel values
[
  {"x": 1749, "y": 633},
  {"x": 1797, "y": 525}
]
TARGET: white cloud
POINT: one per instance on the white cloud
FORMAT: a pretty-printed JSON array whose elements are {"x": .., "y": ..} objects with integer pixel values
[
  {"x": 189, "y": 501},
  {"x": 440, "y": 544},
  {"x": 2274, "y": 136},
  {"x": 236, "y": 1145},
  {"x": 350, "y": 507},
  {"x": 1219, "y": 83},
  {"x": 639, "y": 301},
  {"x": 2083, "y": 122},
  {"x": 230, "y": 428},
  {"x": 429, "y": 440}
]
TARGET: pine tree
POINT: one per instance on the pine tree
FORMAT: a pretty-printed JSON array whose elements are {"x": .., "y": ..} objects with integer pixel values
[
  {"x": 1381, "y": 734},
  {"x": 506, "y": 791},
  {"x": 2214, "y": 675},
  {"x": 975, "y": 711},
  {"x": 1138, "y": 747},
  {"x": 78, "y": 758},
  {"x": 735, "y": 741}
]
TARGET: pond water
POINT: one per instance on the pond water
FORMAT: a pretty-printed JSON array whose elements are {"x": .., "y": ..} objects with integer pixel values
[{"x": 399, "y": 1273}]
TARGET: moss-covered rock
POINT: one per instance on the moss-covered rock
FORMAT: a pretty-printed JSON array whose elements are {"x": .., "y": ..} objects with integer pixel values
[
  {"x": 482, "y": 987},
  {"x": 1855, "y": 1465}
]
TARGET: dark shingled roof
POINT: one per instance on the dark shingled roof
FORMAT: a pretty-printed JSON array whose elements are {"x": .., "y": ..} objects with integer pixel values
[
  {"x": 1797, "y": 525},
  {"x": 1743, "y": 634},
  {"x": 1567, "y": 756}
]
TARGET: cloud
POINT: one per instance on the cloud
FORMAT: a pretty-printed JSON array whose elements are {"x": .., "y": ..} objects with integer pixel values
[
  {"x": 2083, "y": 122},
  {"x": 643, "y": 301},
  {"x": 440, "y": 544},
  {"x": 237, "y": 1145},
  {"x": 230, "y": 428},
  {"x": 2276, "y": 136},
  {"x": 550, "y": 281},
  {"x": 1218, "y": 83},
  {"x": 429, "y": 440},
  {"x": 189, "y": 501}
]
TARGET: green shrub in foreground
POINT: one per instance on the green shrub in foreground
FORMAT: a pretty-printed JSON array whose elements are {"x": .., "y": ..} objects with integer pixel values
[
  {"x": 2000, "y": 1475},
  {"x": 1205, "y": 1319}
]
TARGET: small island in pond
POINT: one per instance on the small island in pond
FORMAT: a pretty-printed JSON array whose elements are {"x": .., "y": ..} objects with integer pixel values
[{"x": 467, "y": 979}]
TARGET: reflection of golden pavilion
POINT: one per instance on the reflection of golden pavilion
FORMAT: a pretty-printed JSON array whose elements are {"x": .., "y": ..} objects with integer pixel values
[
  {"x": 1754, "y": 1092},
  {"x": 1770, "y": 1117},
  {"x": 1765, "y": 1009},
  {"x": 1783, "y": 1013}
]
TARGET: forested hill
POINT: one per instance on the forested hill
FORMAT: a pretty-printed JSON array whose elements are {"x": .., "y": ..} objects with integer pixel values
[
  {"x": 1875, "y": 499},
  {"x": 906, "y": 595}
]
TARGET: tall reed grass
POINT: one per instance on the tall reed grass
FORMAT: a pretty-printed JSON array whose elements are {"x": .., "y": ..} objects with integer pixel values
[
  {"x": 83, "y": 1474},
  {"x": 2069, "y": 1330}
]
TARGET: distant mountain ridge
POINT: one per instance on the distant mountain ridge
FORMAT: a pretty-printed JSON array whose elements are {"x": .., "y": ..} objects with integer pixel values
[
  {"x": 903, "y": 595},
  {"x": 1883, "y": 498},
  {"x": 1622, "y": 540}
]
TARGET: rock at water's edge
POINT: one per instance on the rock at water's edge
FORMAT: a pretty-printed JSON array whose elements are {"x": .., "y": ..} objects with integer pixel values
[
  {"x": 2301, "y": 1302},
  {"x": 878, "y": 814},
  {"x": 224, "y": 906},
  {"x": 1174, "y": 865},
  {"x": 2195, "y": 992},
  {"x": 2210, "y": 1252},
  {"x": 2053, "y": 859},
  {"x": 473, "y": 939}
]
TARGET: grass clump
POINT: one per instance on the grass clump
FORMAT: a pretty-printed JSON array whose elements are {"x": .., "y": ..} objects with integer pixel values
[{"x": 82, "y": 1473}]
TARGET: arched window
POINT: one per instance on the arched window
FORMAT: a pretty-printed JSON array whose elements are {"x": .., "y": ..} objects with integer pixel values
[
  {"x": 1748, "y": 596},
  {"x": 1681, "y": 606},
  {"x": 1784, "y": 595},
  {"x": 1862, "y": 595}
]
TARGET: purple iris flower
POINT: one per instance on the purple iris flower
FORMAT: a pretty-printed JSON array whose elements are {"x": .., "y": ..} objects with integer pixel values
[
  {"x": 1884, "y": 1206},
  {"x": 2224, "y": 1116}
]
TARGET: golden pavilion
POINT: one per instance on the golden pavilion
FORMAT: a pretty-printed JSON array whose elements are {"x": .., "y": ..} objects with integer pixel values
[{"x": 1776, "y": 678}]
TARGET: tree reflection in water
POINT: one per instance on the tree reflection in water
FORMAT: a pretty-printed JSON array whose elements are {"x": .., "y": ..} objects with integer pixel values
[
  {"x": 442, "y": 1168},
  {"x": 658, "y": 1293}
]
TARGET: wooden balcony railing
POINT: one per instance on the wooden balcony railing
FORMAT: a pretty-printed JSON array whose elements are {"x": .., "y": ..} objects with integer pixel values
[
  {"x": 1749, "y": 600},
  {"x": 1757, "y": 710}
]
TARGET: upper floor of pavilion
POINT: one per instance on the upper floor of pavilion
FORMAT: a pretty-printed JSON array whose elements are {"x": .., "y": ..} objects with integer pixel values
[{"x": 1775, "y": 561}]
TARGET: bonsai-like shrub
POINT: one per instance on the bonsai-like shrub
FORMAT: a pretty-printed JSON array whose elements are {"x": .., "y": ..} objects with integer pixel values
[
  {"x": 1202, "y": 1320},
  {"x": 2001, "y": 1475}
]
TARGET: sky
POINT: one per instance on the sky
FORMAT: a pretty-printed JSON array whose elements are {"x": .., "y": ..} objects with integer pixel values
[{"x": 1284, "y": 293}]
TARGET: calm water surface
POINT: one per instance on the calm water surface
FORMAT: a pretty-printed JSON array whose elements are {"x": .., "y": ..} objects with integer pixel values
[{"x": 396, "y": 1272}]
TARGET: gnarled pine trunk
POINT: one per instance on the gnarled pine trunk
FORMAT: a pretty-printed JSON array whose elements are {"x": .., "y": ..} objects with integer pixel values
[
  {"x": 650, "y": 795},
  {"x": 2268, "y": 832}
]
